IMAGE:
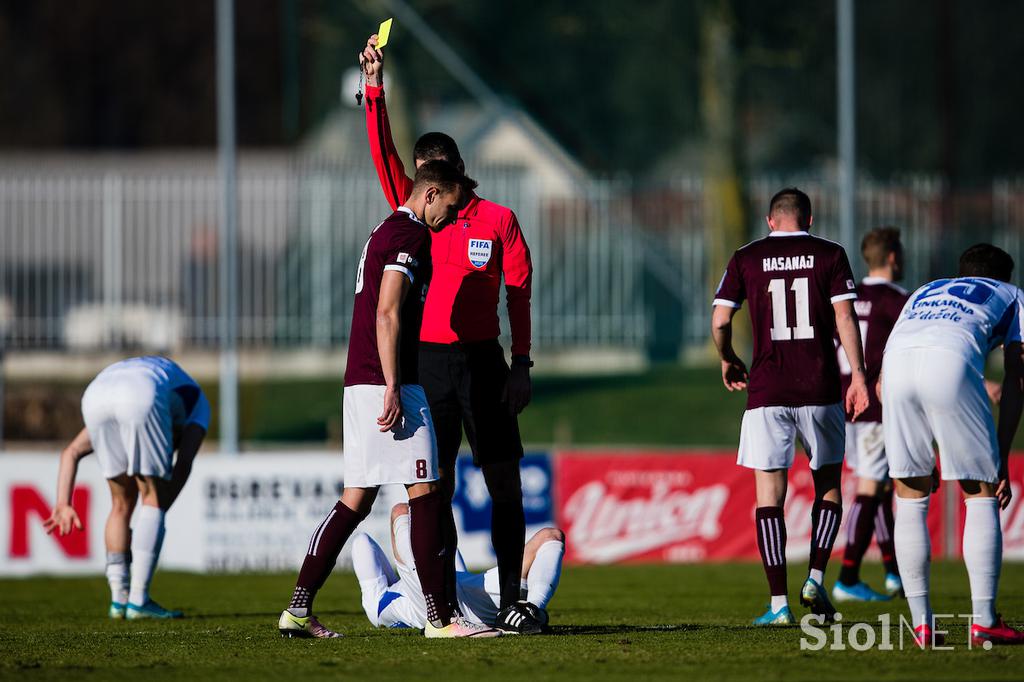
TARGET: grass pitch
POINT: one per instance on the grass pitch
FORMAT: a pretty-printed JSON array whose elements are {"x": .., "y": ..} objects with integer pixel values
[{"x": 625, "y": 622}]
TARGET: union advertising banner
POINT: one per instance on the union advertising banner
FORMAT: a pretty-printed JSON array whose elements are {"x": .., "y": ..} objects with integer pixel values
[{"x": 699, "y": 506}]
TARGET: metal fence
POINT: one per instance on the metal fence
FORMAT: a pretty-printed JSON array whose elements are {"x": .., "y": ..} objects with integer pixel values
[{"x": 114, "y": 260}]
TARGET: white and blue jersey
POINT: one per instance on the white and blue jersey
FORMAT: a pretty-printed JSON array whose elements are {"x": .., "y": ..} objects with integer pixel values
[
  {"x": 969, "y": 316},
  {"x": 133, "y": 410},
  {"x": 933, "y": 378}
]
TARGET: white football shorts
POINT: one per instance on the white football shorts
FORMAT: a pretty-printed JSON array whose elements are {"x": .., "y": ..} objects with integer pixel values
[
  {"x": 129, "y": 424},
  {"x": 865, "y": 450},
  {"x": 406, "y": 454},
  {"x": 934, "y": 394},
  {"x": 768, "y": 436}
]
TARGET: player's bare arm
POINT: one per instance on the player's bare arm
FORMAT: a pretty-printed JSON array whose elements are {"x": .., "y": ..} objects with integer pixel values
[
  {"x": 393, "y": 288},
  {"x": 189, "y": 441},
  {"x": 734, "y": 372},
  {"x": 371, "y": 61},
  {"x": 1011, "y": 404},
  {"x": 64, "y": 517},
  {"x": 849, "y": 335}
]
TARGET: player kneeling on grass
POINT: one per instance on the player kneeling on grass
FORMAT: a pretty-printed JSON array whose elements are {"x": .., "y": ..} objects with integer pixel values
[
  {"x": 389, "y": 435},
  {"x": 933, "y": 389},
  {"x": 394, "y": 599},
  {"x": 137, "y": 412}
]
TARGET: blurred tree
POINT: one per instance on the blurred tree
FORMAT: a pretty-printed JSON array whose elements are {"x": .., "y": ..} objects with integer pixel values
[{"x": 616, "y": 83}]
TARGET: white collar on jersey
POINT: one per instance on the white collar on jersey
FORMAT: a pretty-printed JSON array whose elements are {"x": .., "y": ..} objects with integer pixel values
[
  {"x": 875, "y": 280},
  {"x": 786, "y": 233},
  {"x": 406, "y": 209}
]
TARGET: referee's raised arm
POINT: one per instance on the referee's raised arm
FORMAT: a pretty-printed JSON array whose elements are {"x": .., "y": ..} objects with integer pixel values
[{"x": 393, "y": 180}]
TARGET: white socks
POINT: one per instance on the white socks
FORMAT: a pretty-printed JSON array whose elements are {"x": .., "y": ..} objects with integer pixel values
[
  {"x": 117, "y": 571},
  {"x": 779, "y": 601},
  {"x": 147, "y": 538},
  {"x": 542, "y": 580},
  {"x": 914, "y": 554},
  {"x": 817, "y": 575},
  {"x": 983, "y": 555}
]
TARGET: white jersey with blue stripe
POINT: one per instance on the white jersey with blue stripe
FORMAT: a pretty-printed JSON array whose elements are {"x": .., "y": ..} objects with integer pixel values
[
  {"x": 969, "y": 316},
  {"x": 187, "y": 403}
]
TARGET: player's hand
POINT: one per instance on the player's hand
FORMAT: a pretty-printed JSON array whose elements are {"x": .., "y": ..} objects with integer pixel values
[
  {"x": 371, "y": 61},
  {"x": 518, "y": 389},
  {"x": 63, "y": 519},
  {"x": 856, "y": 399},
  {"x": 878, "y": 388},
  {"x": 1004, "y": 492},
  {"x": 392, "y": 409},
  {"x": 734, "y": 374}
]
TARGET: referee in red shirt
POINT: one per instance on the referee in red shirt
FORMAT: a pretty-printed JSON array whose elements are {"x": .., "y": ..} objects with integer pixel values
[{"x": 462, "y": 366}]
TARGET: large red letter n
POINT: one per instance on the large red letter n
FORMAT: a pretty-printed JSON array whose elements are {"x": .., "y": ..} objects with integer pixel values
[{"x": 26, "y": 500}]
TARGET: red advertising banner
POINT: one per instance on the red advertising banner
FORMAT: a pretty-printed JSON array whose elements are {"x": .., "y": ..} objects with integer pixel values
[{"x": 688, "y": 507}]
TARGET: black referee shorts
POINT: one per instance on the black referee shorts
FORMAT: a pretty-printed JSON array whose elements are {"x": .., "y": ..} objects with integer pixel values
[{"x": 464, "y": 383}]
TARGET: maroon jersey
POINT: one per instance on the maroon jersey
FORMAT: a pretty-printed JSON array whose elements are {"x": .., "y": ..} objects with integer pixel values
[
  {"x": 400, "y": 243},
  {"x": 878, "y": 305},
  {"x": 791, "y": 279}
]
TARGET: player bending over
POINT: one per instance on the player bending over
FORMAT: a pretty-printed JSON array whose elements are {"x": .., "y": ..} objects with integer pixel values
[
  {"x": 878, "y": 306},
  {"x": 137, "y": 412},
  {"x": 933, "y": 389},
  {"x": 801, "y": 293},
  {"x": 389, "y": 435},
  {"x": 394, "y": 599}
]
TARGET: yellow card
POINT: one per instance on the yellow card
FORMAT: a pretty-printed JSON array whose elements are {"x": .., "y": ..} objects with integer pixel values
[{"x": 383, "y": 33}]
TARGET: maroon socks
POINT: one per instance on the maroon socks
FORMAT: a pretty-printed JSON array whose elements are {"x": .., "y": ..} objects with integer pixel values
[
  {"x": 825, "y": 519},
  {"x": 771, "y": 542},
  {"x": 860, "y": 527},
  {"x": 884, "y": 524},
  {"x": 427, "y": 528},
  {"x": 321, "y": 555}
]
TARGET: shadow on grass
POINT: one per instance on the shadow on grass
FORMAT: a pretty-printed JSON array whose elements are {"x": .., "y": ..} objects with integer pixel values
[{"x": 625, "y": 629}]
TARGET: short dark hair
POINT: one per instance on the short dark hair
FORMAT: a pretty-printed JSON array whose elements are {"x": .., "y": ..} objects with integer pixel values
[
  {"x": 432, "y": 146},
  {"x": 792, "y": 202},
  {"x": 878, "y": 244},
  {"x": 443, "y": 175},
  {"x": 986, "y": 260}
]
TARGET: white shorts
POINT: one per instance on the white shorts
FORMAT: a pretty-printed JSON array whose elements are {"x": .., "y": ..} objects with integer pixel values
[
  {"x": 865, "y": 450},
  {"x": 933, "y": 394},
  {"x": 407, "y": 454},
  {"x": 768, "y": 436},
  {"x": 129, "y": 424}
]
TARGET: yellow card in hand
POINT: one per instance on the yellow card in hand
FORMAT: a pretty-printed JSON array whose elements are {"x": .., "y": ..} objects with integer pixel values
[{"x": 383, "y": 33}]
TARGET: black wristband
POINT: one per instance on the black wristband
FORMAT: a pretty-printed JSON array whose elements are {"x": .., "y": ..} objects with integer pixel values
[{"x": 522, "y": 361}]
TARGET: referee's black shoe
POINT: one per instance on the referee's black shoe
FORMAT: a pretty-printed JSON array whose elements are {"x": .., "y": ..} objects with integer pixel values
[{"x": 521, "y": 618}]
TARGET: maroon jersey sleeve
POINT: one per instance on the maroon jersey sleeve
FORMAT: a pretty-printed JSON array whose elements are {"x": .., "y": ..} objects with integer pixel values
[
  {"x": 731, "y": 291},
  {"x": 842, "y": 287},
  {"x": 402, "y": 252}
]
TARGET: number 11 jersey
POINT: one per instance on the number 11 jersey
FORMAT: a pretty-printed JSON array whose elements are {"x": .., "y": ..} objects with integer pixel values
[{"x": 791, "y": 279}]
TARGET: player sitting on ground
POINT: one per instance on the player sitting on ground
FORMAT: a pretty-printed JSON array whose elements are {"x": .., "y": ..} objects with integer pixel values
[
  {"x": 137, "y": 412},
  {"x": 801, "y": 293},
  {"x": 933, "y": 389},
  {"x": 394, "y": 599},
  {"x": 878, "y": 306}
]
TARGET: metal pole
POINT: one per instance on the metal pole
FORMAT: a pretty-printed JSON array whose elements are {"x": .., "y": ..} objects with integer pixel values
[
  {"x": 228, "y": 227},
  {"x": 846, "y": 106}
]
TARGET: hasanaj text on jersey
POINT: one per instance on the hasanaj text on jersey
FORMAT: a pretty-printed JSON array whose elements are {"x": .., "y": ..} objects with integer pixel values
[{"x": 788, "y": 263}]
